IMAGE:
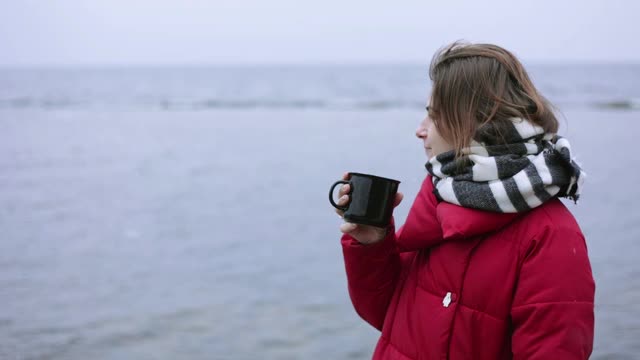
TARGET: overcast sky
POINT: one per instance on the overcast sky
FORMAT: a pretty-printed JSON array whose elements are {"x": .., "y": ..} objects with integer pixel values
[{"x": 161, "y": 32}]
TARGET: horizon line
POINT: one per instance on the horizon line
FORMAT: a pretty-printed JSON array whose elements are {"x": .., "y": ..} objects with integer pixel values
[{"x": 135, "y": 65}]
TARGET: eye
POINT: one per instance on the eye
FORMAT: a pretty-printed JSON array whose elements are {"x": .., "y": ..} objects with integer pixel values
[{"x": 431, "y": 111}]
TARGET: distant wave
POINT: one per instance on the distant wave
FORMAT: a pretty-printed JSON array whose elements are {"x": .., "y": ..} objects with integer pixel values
[
  {"x": 629, "y": 104},
  {"x": 35, "y": 103},
  {"x": 314, "y": 104},
  {"x": 167, "y": 104},
  {"x": 248, "y": 104},
  {"x": 252, "y": 104}
]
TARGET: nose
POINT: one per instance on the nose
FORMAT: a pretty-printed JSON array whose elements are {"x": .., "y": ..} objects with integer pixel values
[{"x": 421, "y": 131}]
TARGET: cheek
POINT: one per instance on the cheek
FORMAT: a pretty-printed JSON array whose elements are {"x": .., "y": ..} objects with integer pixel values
[
  {"x": 433, "y": 132},
  {"x": 435, "y": 135},
  {"x": 439, "y": 142}
]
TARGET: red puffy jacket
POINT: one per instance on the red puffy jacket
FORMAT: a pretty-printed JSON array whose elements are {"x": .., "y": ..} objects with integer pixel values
[{"x": 458, "y": 283}]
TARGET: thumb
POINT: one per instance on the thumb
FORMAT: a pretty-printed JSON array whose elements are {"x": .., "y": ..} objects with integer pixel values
[
  {"x": 348, "y": 227},
  {"x": 398, "y": 199}
]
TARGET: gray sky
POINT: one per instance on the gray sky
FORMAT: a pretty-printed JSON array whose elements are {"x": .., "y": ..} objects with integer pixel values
[{"x": 162, "y": 32}]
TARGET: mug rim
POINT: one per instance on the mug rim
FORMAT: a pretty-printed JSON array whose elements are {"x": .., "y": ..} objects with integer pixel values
[{"x": 373, "y": 176}]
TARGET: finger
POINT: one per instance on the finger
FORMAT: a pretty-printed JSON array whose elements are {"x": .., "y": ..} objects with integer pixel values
[
  {"x": 344, "y": 189},
  {"x": 343, "y": 200},
  {"x": 345, "y": 176},
  {"x": 348, "y": 227},
  {"x": 398, "y": 199}
]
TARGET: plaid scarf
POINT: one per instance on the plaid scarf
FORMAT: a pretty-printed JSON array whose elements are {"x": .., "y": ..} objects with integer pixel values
[{"x": 510, "y": 166}]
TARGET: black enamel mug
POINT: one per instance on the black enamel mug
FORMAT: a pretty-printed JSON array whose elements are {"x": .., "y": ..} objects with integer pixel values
[{"x": 370, "y": 199}]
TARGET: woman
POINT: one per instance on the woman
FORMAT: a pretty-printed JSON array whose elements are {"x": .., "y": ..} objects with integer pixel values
[{"x": 489, "y": 263}]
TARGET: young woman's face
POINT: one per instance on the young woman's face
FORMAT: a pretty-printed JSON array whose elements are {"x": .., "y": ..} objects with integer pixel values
[{"x": 434, "y": 144}]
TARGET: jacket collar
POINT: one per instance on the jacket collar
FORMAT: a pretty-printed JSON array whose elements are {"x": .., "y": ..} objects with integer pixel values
[{"x": 431, "y": 223}]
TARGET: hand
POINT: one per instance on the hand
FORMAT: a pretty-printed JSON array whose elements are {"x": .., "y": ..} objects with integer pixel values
[{"x": 364, "y": 234}]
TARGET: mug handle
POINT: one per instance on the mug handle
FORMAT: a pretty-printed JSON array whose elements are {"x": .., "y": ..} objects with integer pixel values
[{"x": 343, "y": 208}]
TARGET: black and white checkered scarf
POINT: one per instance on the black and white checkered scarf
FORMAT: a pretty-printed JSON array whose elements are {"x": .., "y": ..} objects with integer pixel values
[{"x": 509, "y": 167}]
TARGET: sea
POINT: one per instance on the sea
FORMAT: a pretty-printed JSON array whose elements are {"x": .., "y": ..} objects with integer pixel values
[{"x": 183, "y": 213}]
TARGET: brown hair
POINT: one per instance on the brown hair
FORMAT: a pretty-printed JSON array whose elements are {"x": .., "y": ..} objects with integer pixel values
[{"x": 474, "y": 84}]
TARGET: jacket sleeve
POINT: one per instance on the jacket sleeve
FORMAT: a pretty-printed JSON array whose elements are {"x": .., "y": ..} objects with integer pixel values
[
  {"x": 553, "y": 304},
  {"x": 372, "y": 273}
]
